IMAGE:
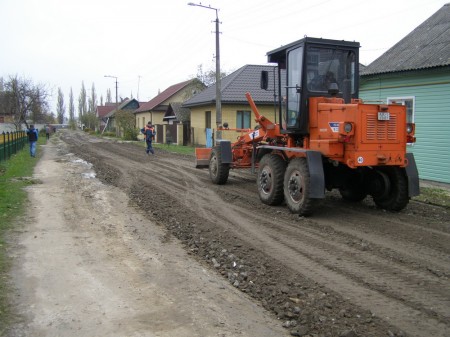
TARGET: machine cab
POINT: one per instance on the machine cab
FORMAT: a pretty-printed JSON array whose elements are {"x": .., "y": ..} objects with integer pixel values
[{"x": 313, "y": 67}]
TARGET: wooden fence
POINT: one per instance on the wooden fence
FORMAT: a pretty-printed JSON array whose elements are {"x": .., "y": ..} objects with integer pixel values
[{"x": 11, "y": 143}]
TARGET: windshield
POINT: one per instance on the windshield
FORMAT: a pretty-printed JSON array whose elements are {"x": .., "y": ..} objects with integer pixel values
[{"x": 325, "y": 66}]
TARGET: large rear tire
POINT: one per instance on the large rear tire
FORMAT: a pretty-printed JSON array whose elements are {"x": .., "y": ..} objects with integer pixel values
[
  {"x": 270, "y": 179},
  {"x": 297, "y": 188},
  {"x": 396, "y": 198},
  {"x": 218, "y": 171},
  {"x": 354, "y": 189}
]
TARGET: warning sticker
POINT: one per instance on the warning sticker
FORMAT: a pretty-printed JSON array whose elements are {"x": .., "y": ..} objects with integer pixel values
[
  {"x": 334, "y": 126},
  {"x": 254, "y": 134}
]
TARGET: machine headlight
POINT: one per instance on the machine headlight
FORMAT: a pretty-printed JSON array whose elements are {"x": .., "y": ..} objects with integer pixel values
[
  {"x": 409, "y": 128},
  {"x": 348, "y": 127}
]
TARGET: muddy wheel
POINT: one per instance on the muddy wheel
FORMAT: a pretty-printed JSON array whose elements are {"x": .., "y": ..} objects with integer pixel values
[
  {"x": 270, "y": 179},
  {"x": 297, "y": 188},
  {"x": 218, "y": 171},
  {"x": 354, "y": 189},
  {"x": 396, "y": 197}
]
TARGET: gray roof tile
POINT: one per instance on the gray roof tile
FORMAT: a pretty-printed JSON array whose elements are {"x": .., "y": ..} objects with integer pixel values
[
  {"x": 427, "y": 46},
  {"x": 235, "y": 85}
]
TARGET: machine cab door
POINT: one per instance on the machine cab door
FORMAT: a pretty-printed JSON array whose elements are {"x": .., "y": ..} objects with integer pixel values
[{"x": 293, "y": 114}]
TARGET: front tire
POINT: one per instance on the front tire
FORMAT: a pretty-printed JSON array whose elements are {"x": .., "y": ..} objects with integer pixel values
[
  {"x": 297, "y": 188},
  {"x": 270, "y": 179},
  {"x": 218, "y": 171}
]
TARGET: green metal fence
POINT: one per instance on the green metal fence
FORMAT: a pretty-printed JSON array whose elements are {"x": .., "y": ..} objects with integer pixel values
[{"x": 11, "y": 143}]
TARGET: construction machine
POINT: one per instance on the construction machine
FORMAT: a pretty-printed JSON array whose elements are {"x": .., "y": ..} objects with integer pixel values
[{"x": 327, "y": 138}]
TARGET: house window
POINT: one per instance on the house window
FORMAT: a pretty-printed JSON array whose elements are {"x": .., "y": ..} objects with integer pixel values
[
  {"x": 243, "y": 120},
  {"x": 207, "y": 119},
  {"x": 409, "y": 102}
]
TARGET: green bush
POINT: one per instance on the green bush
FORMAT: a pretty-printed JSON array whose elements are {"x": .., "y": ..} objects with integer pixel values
[{"x": 130, "y": 134}]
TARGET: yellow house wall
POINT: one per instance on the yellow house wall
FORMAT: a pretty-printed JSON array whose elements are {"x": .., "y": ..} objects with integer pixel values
[
  {"x": 156, "y": 117},
  {"x": 229, "y": 113},
  {"x": 141, "y": 119}
]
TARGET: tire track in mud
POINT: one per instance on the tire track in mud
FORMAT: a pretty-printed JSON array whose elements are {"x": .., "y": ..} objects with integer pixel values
[
  {"x": 373, "y": 272},
  {"x": 354, "y": 274},
  {"x": 391, "y": 265}
]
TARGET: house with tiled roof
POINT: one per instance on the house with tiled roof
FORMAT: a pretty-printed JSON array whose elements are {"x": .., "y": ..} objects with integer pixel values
[
  {"x": 101, "y": 112},
  {"x": 106, "y": 113},
  {"x": 236, "y": 112},
  {"x": 416, "y": 72},
  {"x": 154, "y": 110}
]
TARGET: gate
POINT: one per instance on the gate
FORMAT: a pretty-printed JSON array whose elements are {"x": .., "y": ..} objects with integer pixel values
[{"x": 171, "y": 134}]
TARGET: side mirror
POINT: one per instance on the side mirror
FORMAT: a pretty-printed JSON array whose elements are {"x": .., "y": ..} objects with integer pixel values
[{"x": 264, "y": 79}]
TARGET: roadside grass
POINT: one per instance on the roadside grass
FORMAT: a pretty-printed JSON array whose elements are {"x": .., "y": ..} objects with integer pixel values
[
  {"x": 187, "y": 150},
  {"x": 434, "y": 196},
  {"x": 15, "y": 174}
]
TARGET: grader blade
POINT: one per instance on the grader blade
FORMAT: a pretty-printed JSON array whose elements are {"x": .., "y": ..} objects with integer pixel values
[{"x": 202, "y": 157}]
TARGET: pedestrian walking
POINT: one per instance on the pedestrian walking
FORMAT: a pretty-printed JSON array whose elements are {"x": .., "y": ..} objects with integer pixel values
[
  {"x": 32, "y": 139},
  {"x": 149, "y": 133},
  {"x": 47, "y": 131}
]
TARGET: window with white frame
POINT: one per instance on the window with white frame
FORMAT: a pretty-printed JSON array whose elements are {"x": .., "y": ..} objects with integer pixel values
[
  {"x": 243, "y": 119},
  {"x": 408, "y": 102}
]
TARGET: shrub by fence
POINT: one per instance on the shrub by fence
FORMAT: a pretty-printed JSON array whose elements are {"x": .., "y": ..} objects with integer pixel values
[{"x": 11, "y": 143}]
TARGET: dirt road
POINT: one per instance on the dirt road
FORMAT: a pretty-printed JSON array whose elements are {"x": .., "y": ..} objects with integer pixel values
[{"x": 350, "y": 270}]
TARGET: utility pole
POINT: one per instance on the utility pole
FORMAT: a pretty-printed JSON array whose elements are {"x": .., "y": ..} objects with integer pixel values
[
  {"x": 117, "y": 101},
  {"x": 218, "y": 80}
]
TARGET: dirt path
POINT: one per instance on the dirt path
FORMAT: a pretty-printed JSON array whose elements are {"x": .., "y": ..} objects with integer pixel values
[
  {"x": 85, "y": 267},
  {"x": 351, "y": 270}
]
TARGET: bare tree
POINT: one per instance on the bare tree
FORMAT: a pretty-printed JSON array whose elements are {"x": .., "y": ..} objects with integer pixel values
[
  {"x": 208, "y": 77},
  {"x": 60, "y": 107},
  {"x": 23, "y": 100}
]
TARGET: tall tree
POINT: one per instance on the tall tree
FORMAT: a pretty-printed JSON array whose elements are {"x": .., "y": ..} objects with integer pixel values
[
  {"x": 82, "y": 101},
  {"x": 108, "y": 96},
  {"x": 60, "y": 107},
  {"x": 21, "y": 100},
  {"x": 93, "y": 100},
  {"x": 72, "y": 123}
]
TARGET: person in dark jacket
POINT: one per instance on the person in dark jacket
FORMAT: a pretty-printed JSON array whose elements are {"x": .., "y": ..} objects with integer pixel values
[
  {"x": 32, "y": 139},
  {"x": 149, "y": 134}
]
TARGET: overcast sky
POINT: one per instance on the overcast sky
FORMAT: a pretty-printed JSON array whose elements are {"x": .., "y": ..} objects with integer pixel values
[{"x": 152, "y": 44}]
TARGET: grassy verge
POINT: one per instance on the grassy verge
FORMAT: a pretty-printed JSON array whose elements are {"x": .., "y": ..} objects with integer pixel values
[
  {"x": 13, "y": 173},
  {"x": 434, "y": 196},
  {"x": 188, "y": 150}
]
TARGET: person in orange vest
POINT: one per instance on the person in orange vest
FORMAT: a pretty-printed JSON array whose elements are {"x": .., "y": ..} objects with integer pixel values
[{"x": 149, "y": 134}]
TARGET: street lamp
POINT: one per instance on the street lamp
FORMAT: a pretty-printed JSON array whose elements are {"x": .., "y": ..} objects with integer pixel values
[{"x": 218, "y": 86}]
